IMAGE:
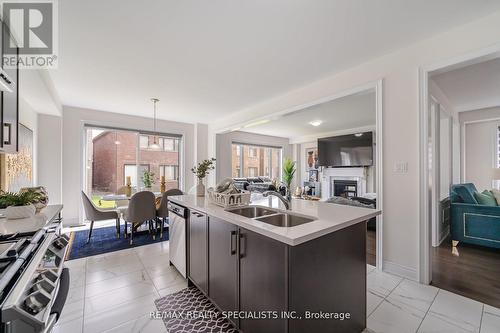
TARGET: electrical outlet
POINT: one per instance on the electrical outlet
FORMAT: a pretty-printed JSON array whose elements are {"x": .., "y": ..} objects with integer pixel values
[{"x": 401, "y": 167}]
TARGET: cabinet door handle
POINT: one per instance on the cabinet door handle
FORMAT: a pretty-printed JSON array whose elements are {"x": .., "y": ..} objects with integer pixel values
[
  {"x": 232, "y": 242},
  {"x": 243, "y": 245}
]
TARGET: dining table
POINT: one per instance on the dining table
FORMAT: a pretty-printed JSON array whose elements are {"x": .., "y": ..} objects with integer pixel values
[{"x": 118, "y": 197}]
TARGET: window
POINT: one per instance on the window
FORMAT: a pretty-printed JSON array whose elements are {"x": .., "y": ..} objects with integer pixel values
[
  {"x": 256, "y": 161},
  {"x": 252, "y": 172},
  {"x": 252, "y": 152},
  {"x": 144, "y": 141},
  {"x": 169, "y": 144},
  {"x": 113, "y": 155},
  {"x": 171, "y": 172},
  {"x": 498, "y": 147},
  {"x": 130, "y": 170}
]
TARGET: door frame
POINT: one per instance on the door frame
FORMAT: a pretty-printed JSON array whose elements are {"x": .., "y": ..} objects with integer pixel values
[
  {"x": 377, "y": 85},
  {"x": 425, "y": 227}
]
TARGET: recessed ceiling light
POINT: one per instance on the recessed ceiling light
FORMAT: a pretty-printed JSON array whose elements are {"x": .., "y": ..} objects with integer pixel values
[
  {"x": 117, "y": 142},
  {"x": 358, "y": 135},
  {"x": 315, "y": 123}
]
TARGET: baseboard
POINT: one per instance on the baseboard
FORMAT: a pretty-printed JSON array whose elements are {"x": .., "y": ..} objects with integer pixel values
[
  {"x": 71, "y": 222},
  {"x": 400, "y": 270}
]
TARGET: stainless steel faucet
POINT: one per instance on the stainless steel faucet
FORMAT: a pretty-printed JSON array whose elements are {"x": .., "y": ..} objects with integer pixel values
[{"x": 284, "y": 200}]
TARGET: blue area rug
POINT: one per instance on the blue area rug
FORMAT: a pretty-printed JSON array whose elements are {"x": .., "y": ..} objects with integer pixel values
[{"x": 104, "y": 240}]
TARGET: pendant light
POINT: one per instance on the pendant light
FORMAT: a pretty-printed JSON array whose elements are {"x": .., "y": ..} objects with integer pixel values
[{"x": 154, "y": 145}]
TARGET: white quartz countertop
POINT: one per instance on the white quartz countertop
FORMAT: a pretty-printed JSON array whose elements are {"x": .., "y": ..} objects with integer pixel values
[
  {"x": 31, "y": 224},
  {"x": 328, "y": 217}
]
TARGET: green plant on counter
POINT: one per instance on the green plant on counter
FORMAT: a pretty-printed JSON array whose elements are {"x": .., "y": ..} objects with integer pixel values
[
  {"x": 148, "y": 178},
  {"x": 203, "y": 168},
  {"x": 18, "y": 199},
  {"x": 288, "y": 172}
]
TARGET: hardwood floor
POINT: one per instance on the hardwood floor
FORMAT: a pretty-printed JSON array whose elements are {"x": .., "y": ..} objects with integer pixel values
[
  {"x": 371, "y": 247},
  {"x": 474, "y": 273}
]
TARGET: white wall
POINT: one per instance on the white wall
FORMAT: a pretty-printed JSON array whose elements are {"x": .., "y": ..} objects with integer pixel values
[
  {"x": 224, "y": 142},
  {"x": 50, "y": 156},
  {"x": 73, "y": 121},
  {"x": 400, "y": 71}
]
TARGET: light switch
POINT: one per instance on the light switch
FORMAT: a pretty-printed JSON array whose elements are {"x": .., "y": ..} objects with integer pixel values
[{"x": 401, "y": 167}]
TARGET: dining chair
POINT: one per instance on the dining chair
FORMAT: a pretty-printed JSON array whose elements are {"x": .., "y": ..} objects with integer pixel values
[
  {"x": 121, "y": 205},
  {"x": 93, "y": 214},
  {"x": 141, "y": 208},
  {"x": 162, "y": 210}
]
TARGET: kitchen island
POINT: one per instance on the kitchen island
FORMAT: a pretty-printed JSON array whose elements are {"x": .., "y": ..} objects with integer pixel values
[
  {"x": 310, "y": 277},
  {"x": 31, "y": 224}
]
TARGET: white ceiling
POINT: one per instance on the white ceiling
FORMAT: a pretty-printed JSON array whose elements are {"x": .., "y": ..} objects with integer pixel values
[
  {"x": 342, "y": 114},
  {"x": 472, "y": 87},
  {"x": 206, "y": 59}
]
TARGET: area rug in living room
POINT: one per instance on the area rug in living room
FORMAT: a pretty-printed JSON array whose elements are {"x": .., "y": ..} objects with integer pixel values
[{"x": 104, "y": 240}]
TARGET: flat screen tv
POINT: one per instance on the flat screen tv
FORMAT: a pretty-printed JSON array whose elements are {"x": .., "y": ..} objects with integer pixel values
[{"x": 353, "y": 150}]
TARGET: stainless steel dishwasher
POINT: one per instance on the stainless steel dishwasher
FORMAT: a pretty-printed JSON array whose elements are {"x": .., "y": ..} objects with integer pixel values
[{"x": 177, "y": 236}]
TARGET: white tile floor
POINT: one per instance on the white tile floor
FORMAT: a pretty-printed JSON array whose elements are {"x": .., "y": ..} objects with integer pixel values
[{"x": 115, "y": 292}]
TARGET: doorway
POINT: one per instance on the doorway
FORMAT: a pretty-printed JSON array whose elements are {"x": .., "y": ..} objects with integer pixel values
[
  {"x": 298, "y": 130},
  {"x": 460, "y": 113}
]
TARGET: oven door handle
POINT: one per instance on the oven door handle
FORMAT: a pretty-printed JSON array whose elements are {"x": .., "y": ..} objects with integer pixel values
[
  {"x": 50, "y": 323},
  {"x": 58, "y": 304}
]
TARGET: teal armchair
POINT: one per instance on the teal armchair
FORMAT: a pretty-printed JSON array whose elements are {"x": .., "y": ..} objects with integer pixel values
[{"x": 471, "y": 222}]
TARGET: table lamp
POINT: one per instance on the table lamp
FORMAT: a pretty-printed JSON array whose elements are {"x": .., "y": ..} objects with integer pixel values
[{"x": 495, "y": 175}]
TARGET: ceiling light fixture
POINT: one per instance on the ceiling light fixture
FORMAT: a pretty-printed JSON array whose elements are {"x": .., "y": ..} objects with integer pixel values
[
  {"x": 154, "y": 145},
  {"x": 358, "y": 135},
  {"x": 316, "y": 123}
]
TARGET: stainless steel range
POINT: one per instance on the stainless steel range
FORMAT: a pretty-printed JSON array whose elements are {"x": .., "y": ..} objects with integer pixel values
[{"x": 33, "y": 281}]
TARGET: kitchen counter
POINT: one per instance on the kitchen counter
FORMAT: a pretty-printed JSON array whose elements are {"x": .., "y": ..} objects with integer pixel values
[
  {"x": 328, "y": 217},
  {"x": 31, "y": 224}
]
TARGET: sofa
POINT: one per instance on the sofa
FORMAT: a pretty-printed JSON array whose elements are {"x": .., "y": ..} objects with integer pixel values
[
  {"x": 471, "y": 222},
  {"x": 254, "y": 184}
]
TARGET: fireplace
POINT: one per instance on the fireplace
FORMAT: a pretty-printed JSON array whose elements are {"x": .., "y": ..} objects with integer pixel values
[{"x": 345, "y": 188}]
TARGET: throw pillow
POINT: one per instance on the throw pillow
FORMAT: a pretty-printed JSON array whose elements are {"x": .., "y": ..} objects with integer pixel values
[
  {"x": 485, "y": 198},
  {"x": 496, "y": 194},
  {"x": 466, "y": 195}
]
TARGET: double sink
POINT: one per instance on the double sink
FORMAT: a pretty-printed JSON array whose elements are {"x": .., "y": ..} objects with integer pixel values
[{"x": 271, "y": 216}]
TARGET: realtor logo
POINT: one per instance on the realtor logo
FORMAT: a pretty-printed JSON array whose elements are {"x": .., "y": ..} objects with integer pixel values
[{"x": 29, "y": 27}]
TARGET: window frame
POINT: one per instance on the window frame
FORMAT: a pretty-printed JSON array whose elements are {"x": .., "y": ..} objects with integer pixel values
[
  {"x": 255, "y": 147},
  {"x": 176, "y": 171}
]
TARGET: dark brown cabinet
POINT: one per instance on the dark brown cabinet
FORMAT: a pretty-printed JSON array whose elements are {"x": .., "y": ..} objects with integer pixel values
[
  {"x": 256, "y": 274},
  {"x": 223, "y": 264},
  {"x": 263, "y": 276},
  {"x": 9, "y": 101},
  {"x": 198, "y": 246}
]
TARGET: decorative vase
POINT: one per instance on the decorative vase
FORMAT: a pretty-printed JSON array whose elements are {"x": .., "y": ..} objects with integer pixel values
[
  {"x": 20, "y": 212},
  {"x": 200, "y": 188},
  {"x": 128, "y": 189},
  {"x": 310, "y": 159},
  {"x": 43, "y": 199},
  {"x": 288, "y": 193},
  {"x": 162, "y": 184}
]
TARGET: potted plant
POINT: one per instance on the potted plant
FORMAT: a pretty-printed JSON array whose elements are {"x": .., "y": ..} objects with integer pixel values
[
  {"x": 288, "y": 173},
  {"x": 19, "y": 205},
  {"x": 201, "y": 171},
  {"x": 148, "y": 179}
]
